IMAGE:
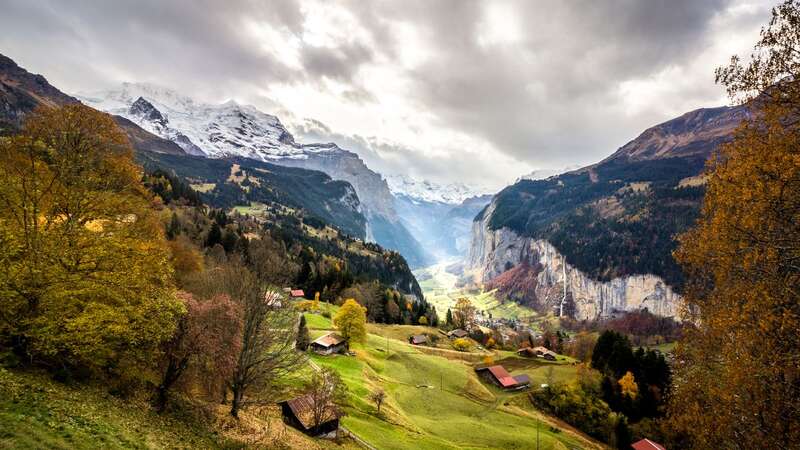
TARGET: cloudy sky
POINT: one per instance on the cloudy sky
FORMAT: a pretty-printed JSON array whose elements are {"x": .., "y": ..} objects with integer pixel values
[{"x": 474, "y": 91}]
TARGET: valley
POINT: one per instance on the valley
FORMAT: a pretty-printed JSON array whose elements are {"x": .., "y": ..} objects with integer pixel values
[{"x": 386, "y": 225}]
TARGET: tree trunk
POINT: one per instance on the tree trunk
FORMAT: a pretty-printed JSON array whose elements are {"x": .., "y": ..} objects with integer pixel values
[{"x": 236, "y": 401}]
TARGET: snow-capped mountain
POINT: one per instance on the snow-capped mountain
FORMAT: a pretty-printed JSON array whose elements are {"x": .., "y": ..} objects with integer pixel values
[
  {"x": 227, "y": 129},
  {"x": 451, "y": 194},
  {"x": 231, "y": 129},
  {"x": 543, "y": 174}
]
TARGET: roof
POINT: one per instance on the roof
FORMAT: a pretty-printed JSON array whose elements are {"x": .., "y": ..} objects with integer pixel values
[
  {"x": 646, "y": 444},
  {"x": 544, "y": 350},
  {"x": 419, "y": 338},
  {"x": 298, "y": 293},
  {"x": 522, "y": 379},
  {"x": 458, "y": 333},
  {"x": 502, "y": 376},
  {"x": 329, "y": 340},
  {"x": 303, "y": 409}
]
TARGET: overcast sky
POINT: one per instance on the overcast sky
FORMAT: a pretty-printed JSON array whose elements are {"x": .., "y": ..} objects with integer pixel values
[{"x": 474, "y": 91}]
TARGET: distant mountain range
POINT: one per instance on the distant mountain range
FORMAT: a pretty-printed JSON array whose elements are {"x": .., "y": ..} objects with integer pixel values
[
  {"x": 428, "y": 191},
  {"x": 304, "y": 198},
  {"x": 233, "y": 130}
]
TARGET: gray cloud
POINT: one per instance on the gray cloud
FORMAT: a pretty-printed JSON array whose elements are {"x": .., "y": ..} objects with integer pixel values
[{"x": 553, "y": 95}]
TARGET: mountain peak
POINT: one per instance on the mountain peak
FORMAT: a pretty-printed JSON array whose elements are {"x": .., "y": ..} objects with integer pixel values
[
  {"x": 214, "y": 130},
  {"x": 428, "y": 191}
]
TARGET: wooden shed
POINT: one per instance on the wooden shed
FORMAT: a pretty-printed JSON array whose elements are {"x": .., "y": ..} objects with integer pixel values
[{"x": 300, "y": 413}]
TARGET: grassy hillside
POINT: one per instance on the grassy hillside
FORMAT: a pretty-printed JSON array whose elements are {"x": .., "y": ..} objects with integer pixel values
[
  {"x": 435, "y": 401},
  {"x": 36, "y": 412},
  {"x": 241, "y": 181}
]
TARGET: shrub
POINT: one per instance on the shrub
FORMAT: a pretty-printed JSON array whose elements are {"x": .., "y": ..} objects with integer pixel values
[{"x": 462, "y": 345}]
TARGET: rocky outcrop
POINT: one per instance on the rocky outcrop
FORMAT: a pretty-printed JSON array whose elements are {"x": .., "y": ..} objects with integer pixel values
[{"x": 493, "y": 252}]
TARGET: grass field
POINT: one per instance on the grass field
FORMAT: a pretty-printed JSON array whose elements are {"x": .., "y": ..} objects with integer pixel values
[
  {"x": 38, "y": 413},
  {"x": 435, "y": 401}
]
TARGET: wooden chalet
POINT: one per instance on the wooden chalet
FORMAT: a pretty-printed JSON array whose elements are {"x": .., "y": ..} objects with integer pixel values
[
  {"x": 540, "y": 352},
  {"x": 329, "y": 344},
  {"x": 499, "y": 376},
  {"x": 299, "y": 413}
]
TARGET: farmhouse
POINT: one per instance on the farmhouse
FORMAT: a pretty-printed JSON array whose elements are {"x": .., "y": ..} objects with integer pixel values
[
  {"x": 646, "y": 444},
  {"x": 418, "y": 339},
  {"x": 329, "y": 344},
  {"x": 297, "y": 293},
  {"x": 457, "y": 333},
  {"x": 300, "y": 413},
  {"x": 500, "y": 376},
  {"x": 540, "y": 352}
]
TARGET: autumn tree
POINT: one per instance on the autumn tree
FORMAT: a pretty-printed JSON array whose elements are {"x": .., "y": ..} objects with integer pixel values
[
  {"x": 85, "y": 277},
  {"x": 463, "y": 313},
  {"x": 351, "y": 321},
  {"x": 207, "y": 339},
  {"x": 628, "y": 386},
  {"x": 267, "y": 352},
  {"x": 326, "y": 392},
  {"x": 738, "y": 383},
  {"x": 378, "y": 396},
  {"x": 368, "y": 295}
]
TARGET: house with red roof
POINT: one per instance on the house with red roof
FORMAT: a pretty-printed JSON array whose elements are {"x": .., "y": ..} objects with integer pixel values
[
  {"x": 499, "y": 376},
  {"x": 646, "y": 444},
  {"x": 297, "y": 293}
]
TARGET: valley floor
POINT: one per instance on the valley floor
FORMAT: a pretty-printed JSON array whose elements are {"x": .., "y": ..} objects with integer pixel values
[{"x": 435, "y": 400}]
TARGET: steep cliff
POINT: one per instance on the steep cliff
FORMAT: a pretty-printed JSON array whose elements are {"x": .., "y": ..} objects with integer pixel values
[
  {"x": 614, "y": 221},
  {"x": 494, "y": 253}
]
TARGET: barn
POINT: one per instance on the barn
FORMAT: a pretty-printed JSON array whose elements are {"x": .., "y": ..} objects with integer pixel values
[
  {"x": 299, "y": 413},
  {"x": 499, "y": 376}
]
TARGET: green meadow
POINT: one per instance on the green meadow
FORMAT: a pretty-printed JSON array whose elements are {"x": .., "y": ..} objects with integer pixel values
[{"x": 435, "y": 400}]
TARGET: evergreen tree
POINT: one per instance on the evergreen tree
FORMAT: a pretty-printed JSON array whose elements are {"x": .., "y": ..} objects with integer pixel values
[
  {"x": 214, "y": 235},
  {"x": 303, "y": 339},
  {"x": 174, "y": 228}
]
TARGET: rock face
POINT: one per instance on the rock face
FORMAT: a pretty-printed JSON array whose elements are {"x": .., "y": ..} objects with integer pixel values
[{"x": 495, "y": 251}]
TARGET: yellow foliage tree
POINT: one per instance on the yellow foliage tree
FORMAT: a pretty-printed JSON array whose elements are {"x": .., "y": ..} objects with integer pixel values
[
  {"x": 422, "y": 320},
  {"x": 628, "y": 385},
  {"x": 351, "y": 321},
  {"x": 738, "y": 377},
  {"x": 86, "y": 276},
  {"x": 462, "y": 344},
  {"x": 463, "y": 313}
]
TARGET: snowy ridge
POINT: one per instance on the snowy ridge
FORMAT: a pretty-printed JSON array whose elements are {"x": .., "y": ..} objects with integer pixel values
[
  {"x": 227, "y": 129},
  {"x": 428, "y": 191},
  {"x": 543, "y": 174}
]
